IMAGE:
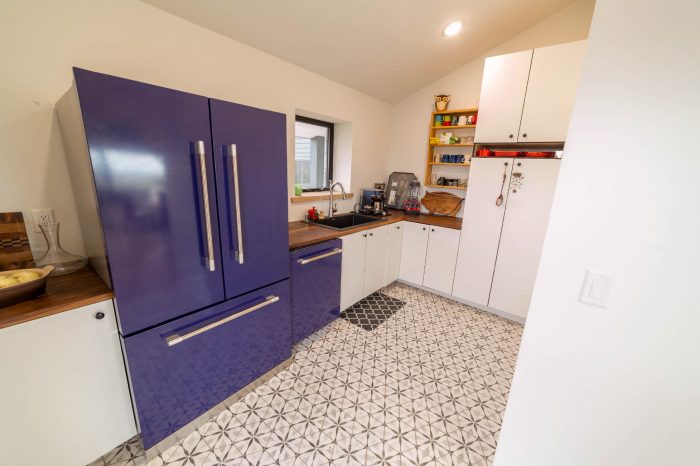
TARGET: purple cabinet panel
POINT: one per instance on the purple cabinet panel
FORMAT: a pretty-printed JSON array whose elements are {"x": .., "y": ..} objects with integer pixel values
[
  {"x": 174, "y": 384},
  {"x": 148, "y": 177},
  {"x": 259, "y": 254},
  {"x": 315, "y": 273}
]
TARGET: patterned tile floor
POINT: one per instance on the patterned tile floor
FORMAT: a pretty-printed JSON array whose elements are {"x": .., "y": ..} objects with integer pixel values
[{"x": 428, "y": 386}]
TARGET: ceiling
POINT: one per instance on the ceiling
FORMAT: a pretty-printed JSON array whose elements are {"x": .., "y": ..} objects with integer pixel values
[{"x": 384, "y": 48}]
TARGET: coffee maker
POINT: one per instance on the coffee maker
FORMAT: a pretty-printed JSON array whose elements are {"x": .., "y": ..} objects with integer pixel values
[{"x": 372, "y": 202}]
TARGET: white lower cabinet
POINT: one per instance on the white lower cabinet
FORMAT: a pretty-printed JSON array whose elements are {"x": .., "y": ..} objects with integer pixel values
[
  {"x": 413, "y": 250},
  {"x": 393, "y": 252},
  {"x": 375, "y": 258},
  {"x": 352, "y": 281},
  {"x": 65, "y": 397},
  {"x": 441, "y": 258}
]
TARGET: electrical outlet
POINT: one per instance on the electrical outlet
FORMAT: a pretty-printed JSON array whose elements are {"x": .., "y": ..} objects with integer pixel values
[
  {"x": 40, "y": 216},
  {"x": 597, "y": 288}
]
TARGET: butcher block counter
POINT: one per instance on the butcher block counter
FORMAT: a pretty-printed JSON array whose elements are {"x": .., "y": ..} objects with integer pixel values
[
  {"x": 63, "y": 293},
  {"x": 302, "y": 234}
]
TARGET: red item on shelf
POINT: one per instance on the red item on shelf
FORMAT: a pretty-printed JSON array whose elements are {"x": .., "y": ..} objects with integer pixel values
[
  {"x": 484, "y": 153},
  {"x": 507, "y": 153},
  {"x": 540, "y": 154}
]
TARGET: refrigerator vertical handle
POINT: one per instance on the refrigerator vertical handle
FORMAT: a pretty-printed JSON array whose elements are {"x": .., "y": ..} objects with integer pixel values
[
  {"x": 209, "y": 259},
  {"x": 233, "y": 153}
]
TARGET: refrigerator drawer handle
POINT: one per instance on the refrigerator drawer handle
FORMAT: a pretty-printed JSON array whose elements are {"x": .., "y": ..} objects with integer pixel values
[
  {"x": 320, "y": 256},
  {"x": 233, "y": 153},
  {"x": 174, "y": 339},
  {"x": 209, "y": 259}
]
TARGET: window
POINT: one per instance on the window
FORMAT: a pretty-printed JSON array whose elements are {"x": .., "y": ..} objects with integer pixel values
[{"x": 313, "y": 153}]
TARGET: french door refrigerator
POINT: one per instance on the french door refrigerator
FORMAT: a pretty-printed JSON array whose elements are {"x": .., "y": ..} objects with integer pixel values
[{"x": 188, "y": 196}]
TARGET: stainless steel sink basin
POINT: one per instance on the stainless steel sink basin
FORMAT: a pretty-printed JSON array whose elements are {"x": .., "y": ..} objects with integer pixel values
[{"x": 344, "y": 221}]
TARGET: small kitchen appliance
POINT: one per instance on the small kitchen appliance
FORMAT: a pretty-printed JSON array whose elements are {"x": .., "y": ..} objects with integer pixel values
[
  {"x": 373, "y": 202},
  {"x": 412, "y": 204}
]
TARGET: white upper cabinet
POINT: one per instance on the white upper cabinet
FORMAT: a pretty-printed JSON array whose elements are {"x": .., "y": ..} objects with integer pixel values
[
  {"x": 441, "y": 258},
  {"x": 375, "y": 258},
  {"x": 481, "y": 228},
  {"x": 393, "y": 254},
  {"x": 352, "y": 270},
  {"x": 528, "y": 96},
  {"x": 532, "y": 187},
  {"x": 502, "y": 95},
  {"x": 551, "y": 90},
  {"x": 413, "y": 251}
]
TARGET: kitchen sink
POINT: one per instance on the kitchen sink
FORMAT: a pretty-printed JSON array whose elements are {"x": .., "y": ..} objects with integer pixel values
[{"x": 345, "y": 221}]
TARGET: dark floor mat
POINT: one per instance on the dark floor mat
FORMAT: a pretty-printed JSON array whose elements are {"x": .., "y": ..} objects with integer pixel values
[{"x": 372, "y": 311}]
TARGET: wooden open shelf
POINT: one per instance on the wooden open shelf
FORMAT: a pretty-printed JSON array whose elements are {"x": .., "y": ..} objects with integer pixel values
[
  {"x": 433, "y": 130},
  {"x": 454, "y": 127},
  {"x": 455, "y": 164},
  {"x": 463, "y": 188}
]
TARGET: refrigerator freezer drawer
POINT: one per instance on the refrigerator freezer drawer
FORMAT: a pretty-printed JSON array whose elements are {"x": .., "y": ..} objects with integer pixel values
[
  {"x": 315, "y": 287},
  {"x": 181, "y": 369}
]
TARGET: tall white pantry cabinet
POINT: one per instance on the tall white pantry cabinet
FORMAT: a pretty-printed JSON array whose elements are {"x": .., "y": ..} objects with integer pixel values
[{"x": 501, "y": 242}]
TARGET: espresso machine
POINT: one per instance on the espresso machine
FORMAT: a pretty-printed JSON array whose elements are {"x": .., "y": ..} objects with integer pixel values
[{"x": 372, "y": 202}]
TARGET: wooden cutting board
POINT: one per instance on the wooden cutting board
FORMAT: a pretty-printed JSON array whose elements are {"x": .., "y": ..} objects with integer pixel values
[
  {"x": 14, "y": 243},
  {"x": 442, "y": 203}
]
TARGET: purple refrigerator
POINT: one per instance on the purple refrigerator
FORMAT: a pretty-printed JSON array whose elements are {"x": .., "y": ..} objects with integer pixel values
[{"x": 183, "y": 205}]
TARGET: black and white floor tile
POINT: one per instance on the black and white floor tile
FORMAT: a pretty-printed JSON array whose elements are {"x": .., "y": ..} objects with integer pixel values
[
  {"x": 428, "y": 386},
  {"x": 372, "y": 311}
]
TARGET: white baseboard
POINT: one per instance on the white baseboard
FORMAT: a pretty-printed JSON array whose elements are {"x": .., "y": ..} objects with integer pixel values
[{"x": 490, "y": 310}]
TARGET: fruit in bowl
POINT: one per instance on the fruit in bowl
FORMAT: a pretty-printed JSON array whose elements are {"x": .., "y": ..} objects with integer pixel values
[{"x": 20, "y": 285}]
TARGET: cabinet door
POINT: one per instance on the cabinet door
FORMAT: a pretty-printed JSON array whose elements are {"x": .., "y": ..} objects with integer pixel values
[
  {"x": 65, "y": 397},
  {"x": 481, "y": 228},
  {"x": 375, "y": 259},
  {"x": 148, "y": 178},
  {"x": 441, "y": 258},
  {"x": 524, "y": 226},
  {"x": 205, "y": 357},
  {"x": 502, "y": 96},
  {"x": 393, "y": 254},
  {"x": 551, "y": 91},
  {"x": 352, "y": 281},
  {"x": 251, "y": 144},
  {"x": 413, "y": 250}
]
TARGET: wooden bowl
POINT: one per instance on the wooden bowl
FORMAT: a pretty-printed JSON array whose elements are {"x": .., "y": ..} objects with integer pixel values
[{"x": 24, "y": 291}]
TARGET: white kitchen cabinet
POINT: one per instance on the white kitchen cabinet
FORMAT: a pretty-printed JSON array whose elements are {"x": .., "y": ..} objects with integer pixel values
[
  {"x": 502, "y": 95},
  {"x": 413, "y": 251},
  {"x": 500, "y": 246},
  {"x": 65, "y": 397},
  {"x": 551, "y": 91},
  {"x": 375, "y": 258},
  {"x": 532, "y": 187},
  {"x": 440, "y": 259},
  {"x": 352, "y": 279},
  {"x": 393, "y": 253},
  {"x": 481, "y": 228},
  {"x": 528, "y": 96}
]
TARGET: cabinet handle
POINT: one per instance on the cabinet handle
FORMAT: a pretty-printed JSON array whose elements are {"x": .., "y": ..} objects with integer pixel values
[
  {"x": 320, "y": 256},
  {"x": 365, "y": 235},
  {"x": 423, "y": 228},
  {"x": 398, "y": 228},
  {"x": 174, "y": 339},
  {"x": 233, "y": 153},
  {"x": 510, "y": 136},
  {"x": 371, "y": 234},
  {"x": 524, "y": 135},
  {"x": 199, "y": 150},
  {"x": 100, "y": 315},
  {"x": 432, "y": 229}
]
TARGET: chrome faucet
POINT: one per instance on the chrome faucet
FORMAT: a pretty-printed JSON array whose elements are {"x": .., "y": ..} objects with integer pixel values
[{"x": 331, "y": 208}]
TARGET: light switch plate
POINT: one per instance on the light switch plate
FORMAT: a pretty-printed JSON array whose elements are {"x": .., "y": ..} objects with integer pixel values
[{"x": 597, "y": 288}]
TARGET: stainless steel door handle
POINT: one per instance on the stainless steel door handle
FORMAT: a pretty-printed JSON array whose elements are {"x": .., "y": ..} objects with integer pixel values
[
  {"x": 199, "y": 150},
  {"x": 320, "y": 256},
  {"x": 233, "y": 153},
  {"x": 174, "y": 339}
]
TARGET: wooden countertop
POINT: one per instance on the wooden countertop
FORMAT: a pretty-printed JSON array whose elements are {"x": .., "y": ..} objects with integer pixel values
[
  {"x": 304, "y": 234},
  {"x": 63, "y": 293}
]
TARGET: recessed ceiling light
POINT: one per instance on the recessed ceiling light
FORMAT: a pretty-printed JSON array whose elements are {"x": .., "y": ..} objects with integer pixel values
[{"x": 453, "y": 28}]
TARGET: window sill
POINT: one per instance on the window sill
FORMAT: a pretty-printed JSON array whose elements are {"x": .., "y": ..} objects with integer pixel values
[{"x": 313, "y": 197}]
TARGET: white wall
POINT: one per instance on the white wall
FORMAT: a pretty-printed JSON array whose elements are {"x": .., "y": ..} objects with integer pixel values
[
  {"x": 41, "y": 40},
  {"x": 410, "y": 117},
  {"x": 620, "y": 386}
]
